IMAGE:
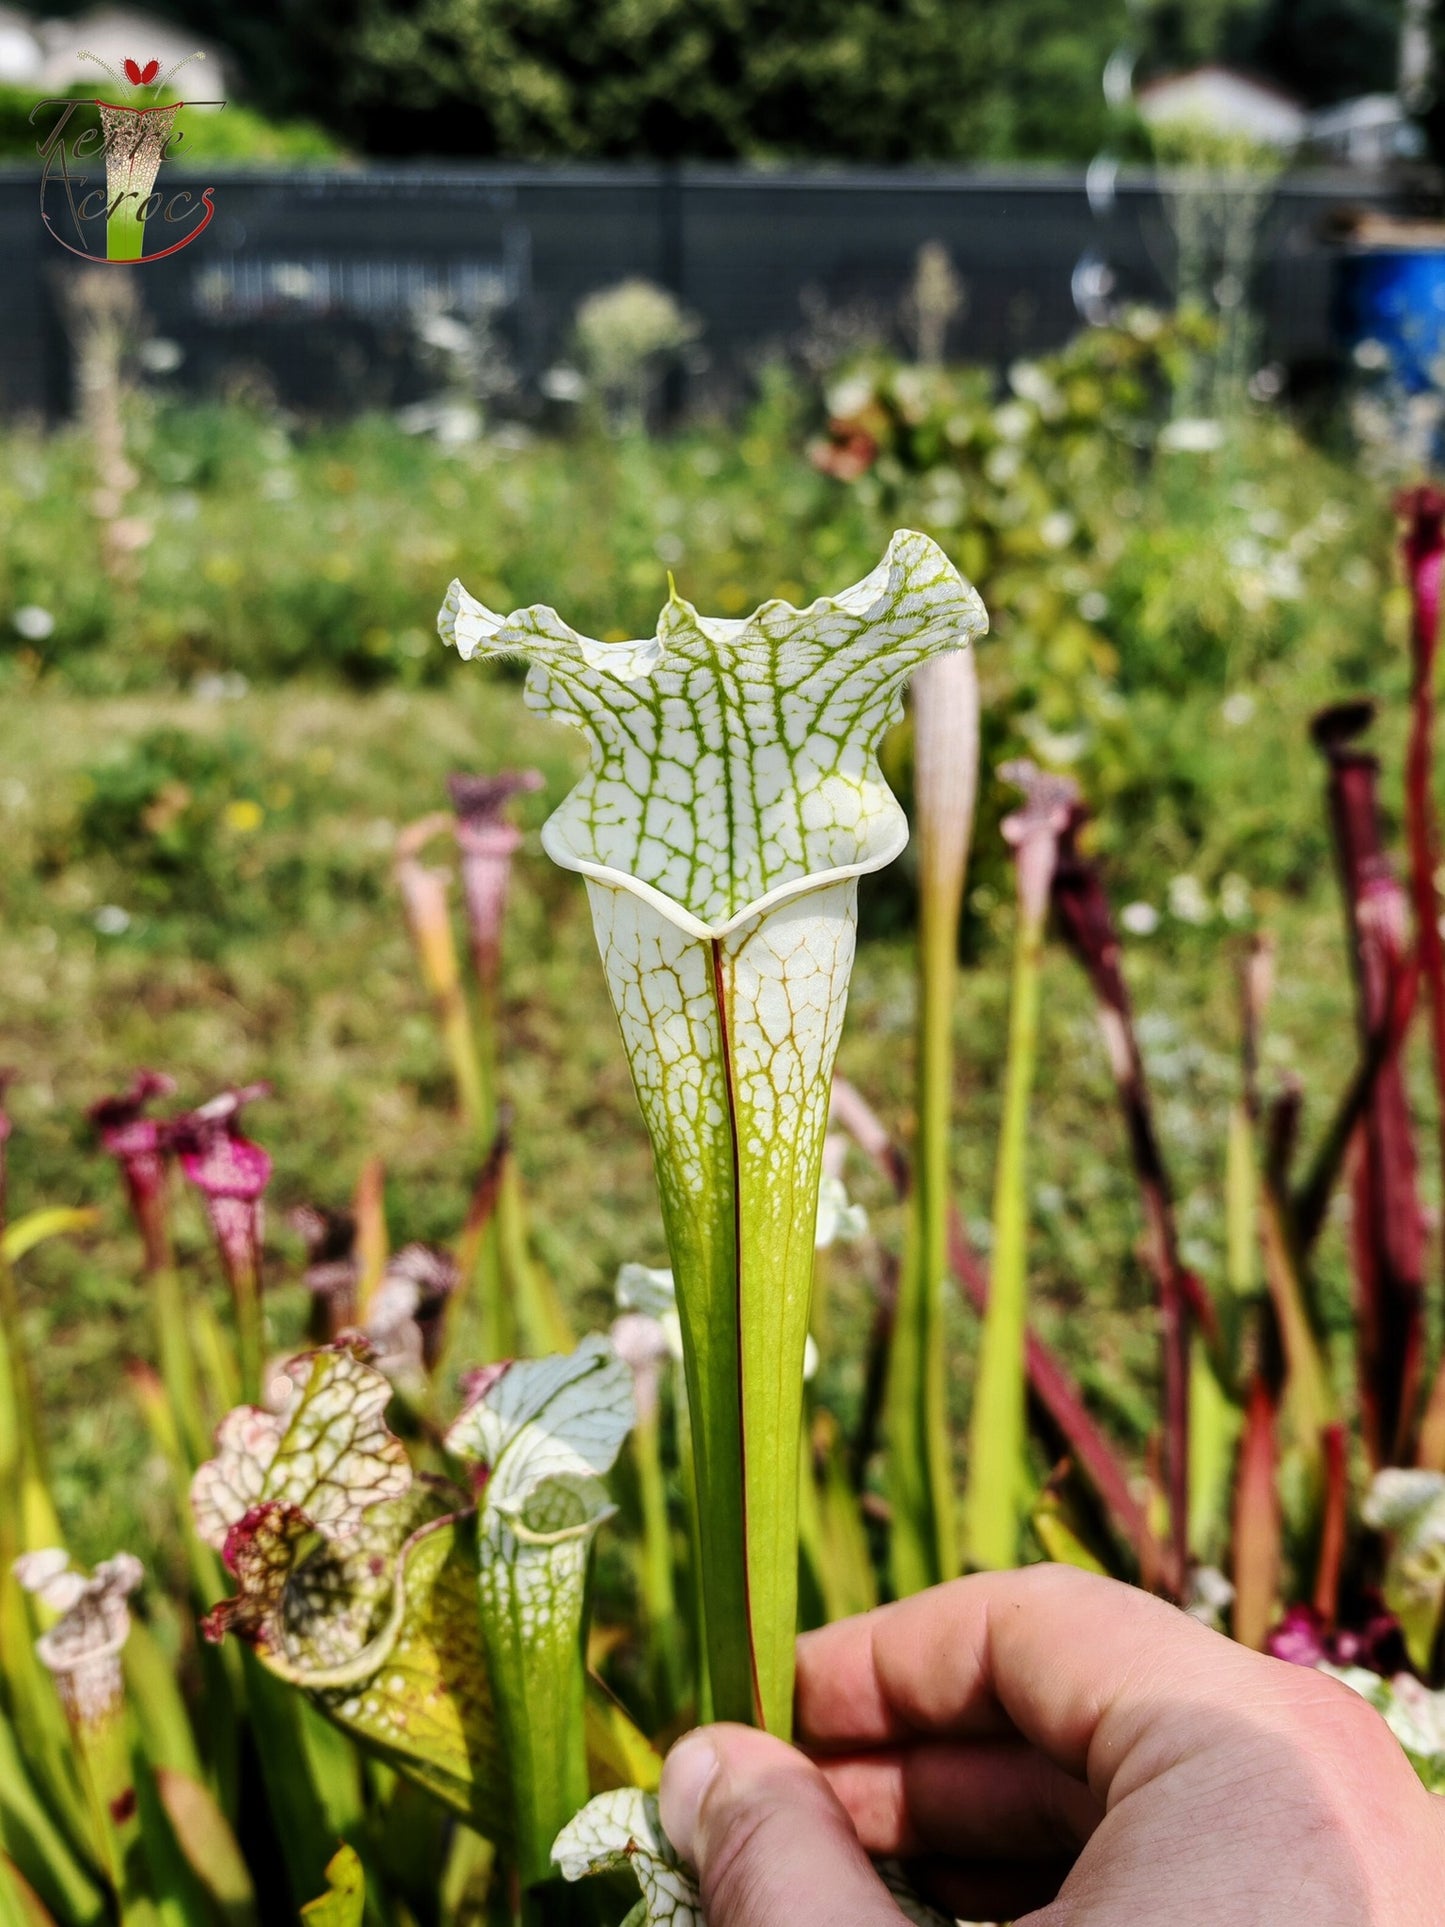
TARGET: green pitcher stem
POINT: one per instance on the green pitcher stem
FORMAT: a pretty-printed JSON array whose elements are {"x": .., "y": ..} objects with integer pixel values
[
  {"x": 125, "y": 231},
  {"x": 104, "y": 1754},
  {"x": 658, "y": 1592},
  {"x": 923, "y": 1545},
  {"x": 519, "y": 1303},
  {"x": 455, "y": 1023},
  {"x": 178, "y": 1366},
  {"x": 487, "y": 1088},
  {"x": 250, "y": 1328},
  {"x": 538, "y": 1690},
  {"x": 993, "y": 1502},
  {"x": 715, "y": 1416},
  {"x": 535, "y": 1310}
]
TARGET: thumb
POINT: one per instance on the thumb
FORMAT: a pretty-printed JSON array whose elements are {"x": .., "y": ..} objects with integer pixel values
[{"x": 767, "y": 1835}]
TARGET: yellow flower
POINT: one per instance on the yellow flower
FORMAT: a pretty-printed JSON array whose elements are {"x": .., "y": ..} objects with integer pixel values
[{"x": 243, "y": 815}]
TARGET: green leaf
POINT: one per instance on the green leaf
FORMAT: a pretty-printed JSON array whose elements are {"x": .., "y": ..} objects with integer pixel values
[
  {"x": 850, "y": 1584},
  {"x": 1058, "y": 1538},
  {"x": 41, "y": 1738},
  {"x": 619, "y": 1753},
  {"x": 38, "y": 1845},
  {"x": 344, "y": 1904},
  {"x": 1215, "y": 1420},
  {"x": 154, "y": 1692},
  {"x": 20, "y": 1905},
  {"x": 425, "y": 1706},
  {"x": 209, "y": 1846},
  {"x": 733, "y": 799},
  {"x": 23, "y": 1234},
  {"x": 274, "y": 1713},
  {"x": 173, "y": 1894}
]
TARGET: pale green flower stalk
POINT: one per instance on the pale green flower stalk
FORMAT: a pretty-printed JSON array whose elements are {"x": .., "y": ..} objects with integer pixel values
[
  {"x": 732, "y": 802},
  {"x": 923, "y": 1543},
  {"x": 424, "y": 891},
  {"x": 510, "y": 1305},
  {"x": 995, "y": 1500}
]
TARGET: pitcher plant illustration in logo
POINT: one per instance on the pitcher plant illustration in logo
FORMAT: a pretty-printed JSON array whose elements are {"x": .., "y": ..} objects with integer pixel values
[{"x": 132, "y": 138}]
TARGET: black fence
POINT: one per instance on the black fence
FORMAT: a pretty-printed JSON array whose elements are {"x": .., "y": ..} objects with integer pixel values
[{"x": 309, "y": 283}]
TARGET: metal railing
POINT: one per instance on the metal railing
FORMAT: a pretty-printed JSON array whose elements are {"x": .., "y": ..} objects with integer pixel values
[{"x": 306, "y": 279}]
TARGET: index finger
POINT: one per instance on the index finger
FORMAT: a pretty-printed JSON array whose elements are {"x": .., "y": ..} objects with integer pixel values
[{"x": 1048, "y": 1654}]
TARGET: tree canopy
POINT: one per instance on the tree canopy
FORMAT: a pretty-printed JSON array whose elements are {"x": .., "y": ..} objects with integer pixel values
[{"x": 857, "y": 80}]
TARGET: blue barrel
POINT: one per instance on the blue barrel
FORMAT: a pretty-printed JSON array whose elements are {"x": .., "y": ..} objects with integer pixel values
[{"x": 1396, "y": 297}]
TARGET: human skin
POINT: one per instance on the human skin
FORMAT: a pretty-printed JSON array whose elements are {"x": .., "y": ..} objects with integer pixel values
[{"x": 1051, "y": 1740}]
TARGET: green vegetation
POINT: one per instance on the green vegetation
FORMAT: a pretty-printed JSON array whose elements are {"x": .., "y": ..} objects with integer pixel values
[
  {"x": 938, "y": 80},
  {"x": 205, "y": 764},
  {"x": 237, "y": 135},
  {"x": 224, "y": 744}
]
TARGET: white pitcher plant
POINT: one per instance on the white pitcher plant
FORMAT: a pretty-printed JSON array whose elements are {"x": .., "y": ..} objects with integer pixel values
[{"x": 732, "y": 800}]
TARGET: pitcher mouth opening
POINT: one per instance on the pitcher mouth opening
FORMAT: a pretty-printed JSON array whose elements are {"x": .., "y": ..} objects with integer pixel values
[{"x": 555, "y": 844}]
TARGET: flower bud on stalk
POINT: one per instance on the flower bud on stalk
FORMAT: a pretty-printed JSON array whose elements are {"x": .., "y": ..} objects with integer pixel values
[
  {"x": 424, "y": 901},
  {"x": 139, "y": 1146},
  {"x": 487, "y": 843},
  {"x": 923, "y": 1545},
  {"x": 142, "y": 1147},
  {"x": 232, "y": 1173}
]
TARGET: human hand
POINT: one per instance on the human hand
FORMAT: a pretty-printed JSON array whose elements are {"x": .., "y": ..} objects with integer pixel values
[{"x": 1047, "y": 1739}]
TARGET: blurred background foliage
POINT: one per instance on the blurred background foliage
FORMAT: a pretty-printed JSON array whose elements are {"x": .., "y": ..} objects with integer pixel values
[
  {"x": 758, "y": 80},
  {"x": 239, "y": 135}
]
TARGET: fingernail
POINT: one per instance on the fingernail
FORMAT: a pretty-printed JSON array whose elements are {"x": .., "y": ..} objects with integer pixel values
[{"x": 687, "y": 1773}]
